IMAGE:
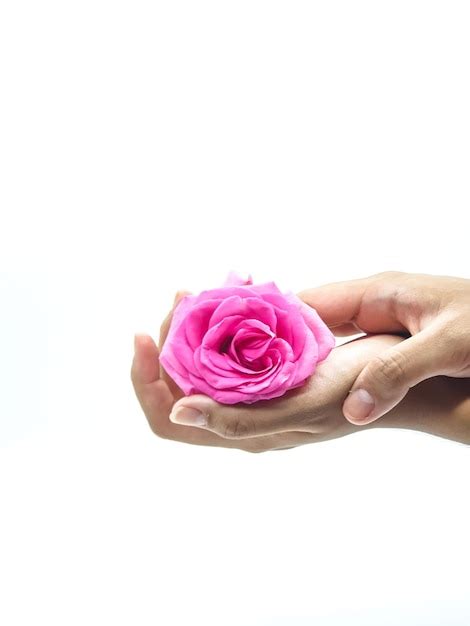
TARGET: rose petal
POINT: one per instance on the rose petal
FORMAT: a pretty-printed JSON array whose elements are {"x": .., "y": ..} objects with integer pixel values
[
  {"x": 283, "y": 324},
  {"x": 266, "y": 288},
  {"x": 295, "y": 319},
  {"x": 225, "y": 366},
  {"x": 210, "y": 364},
  {"x": 244, "y": 342},
  {"x": 249, "y": 344},
  {"x": 180, "y": 352},
  {"x": 325, "y": 339},
  {"x": 222, "y": 333},
  {"x": 196, "y": 323},
  {"x": 249, "y": 308},
  {"x": 234, "y": 280},
  {"x": 177, "y": 372},
  {"x": 221, "y": 293},
  {"x": 307, "y": 362},
  {"x": 281, "y": 374}
]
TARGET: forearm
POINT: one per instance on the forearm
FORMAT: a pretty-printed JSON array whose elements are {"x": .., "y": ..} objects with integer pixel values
[{"x": 439, "y": 406}]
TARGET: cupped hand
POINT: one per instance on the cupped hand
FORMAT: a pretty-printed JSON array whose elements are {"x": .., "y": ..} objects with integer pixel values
[
  {"x": 304, "y": 415},
  {"x": 434, "y": 311}
]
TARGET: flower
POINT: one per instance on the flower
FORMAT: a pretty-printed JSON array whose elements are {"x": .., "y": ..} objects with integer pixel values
[{"x": 244, "y": 342}]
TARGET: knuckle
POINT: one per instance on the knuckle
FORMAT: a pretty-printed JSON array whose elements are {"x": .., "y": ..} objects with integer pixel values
[
  {"x": 454, "y": 344},
  {"x": 389, "y": 370},
  {"x": 237, "y": 428},
  {"x": 303, "y": 413},
  {"x": 460, "y": 356},
  {"x": 160, "y": 430}
]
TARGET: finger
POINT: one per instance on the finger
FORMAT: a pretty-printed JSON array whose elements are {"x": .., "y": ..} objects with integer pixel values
[
  {"x": 309, "y": 408},
  {"x": 366, "y": 303},
  {"x": 166, "y": 429},
  {"x": 337, "y": 303},
  {"x": 152, "y": 392},
  {"x": 156, "y": 401},
  {"x": 345, "y": 330},
  {"x": 387, "y": 378},
  {"x": 164, "y": 330},
  {"x": 300, "y": 409},
  {"x": 240, "y": 421},
  {"x": 165, "y": 325},
  {"x": 145, "y": 365}
]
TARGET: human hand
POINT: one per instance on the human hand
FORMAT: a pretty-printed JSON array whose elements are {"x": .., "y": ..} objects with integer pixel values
[
  {"x": 308, "y": 414},
  {"x": 434, "y": 310}
]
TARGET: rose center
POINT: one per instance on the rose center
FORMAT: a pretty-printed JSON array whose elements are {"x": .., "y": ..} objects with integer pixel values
[{"x": 248, "y": 346}]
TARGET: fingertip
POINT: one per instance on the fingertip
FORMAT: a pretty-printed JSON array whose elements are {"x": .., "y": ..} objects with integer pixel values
[
  {"x": 364, "y": 422},
  {"x": 138, "y": 340},
  {"x": 358, "y": 408},
  {"x": 141, "y": 340},
  {"x": 145, "y": 363}
]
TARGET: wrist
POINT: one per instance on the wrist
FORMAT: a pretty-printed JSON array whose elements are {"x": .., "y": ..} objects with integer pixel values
[{"x": 439, "y": 406}]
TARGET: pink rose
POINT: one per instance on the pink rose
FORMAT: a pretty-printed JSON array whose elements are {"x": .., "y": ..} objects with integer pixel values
[{"x": 244, "y": 342}]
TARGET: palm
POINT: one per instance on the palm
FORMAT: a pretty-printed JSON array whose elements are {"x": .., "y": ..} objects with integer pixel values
[{"x": 315, "y": 407}]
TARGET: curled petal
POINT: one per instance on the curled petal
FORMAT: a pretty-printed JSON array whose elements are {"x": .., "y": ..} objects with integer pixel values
[
  {"x": 249, "y": 307},
  {"x": 324, "y": 337},
  {"x": 197, "y": 321},
  {"x": 249, "y": 344},
  {"x": 220, "y": 378},
  {"x": 219, "y": 334},
  {"x": 222, "y": 293}
]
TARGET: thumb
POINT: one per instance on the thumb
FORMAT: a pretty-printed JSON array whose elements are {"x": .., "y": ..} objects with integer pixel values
[
  {"x": 238, "y": 421},
  {"x": 387, "y": 378}
]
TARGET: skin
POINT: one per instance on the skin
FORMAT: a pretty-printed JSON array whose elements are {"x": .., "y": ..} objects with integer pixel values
[
  {"x": 312, "y": 413},
  {"x": 432, "y": 311}
]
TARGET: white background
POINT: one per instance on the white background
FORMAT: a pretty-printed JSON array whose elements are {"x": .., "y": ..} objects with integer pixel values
[{"x": 152, "y": 146}]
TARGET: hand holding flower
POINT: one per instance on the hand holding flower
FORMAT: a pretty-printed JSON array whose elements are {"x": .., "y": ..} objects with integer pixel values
[
  {"x": 244, "y": 342},
  {"x": 307, "y": 414}
]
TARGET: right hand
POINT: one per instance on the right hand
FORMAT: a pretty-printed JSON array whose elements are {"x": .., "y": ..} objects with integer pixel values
[{"x": 434, "y": 310}]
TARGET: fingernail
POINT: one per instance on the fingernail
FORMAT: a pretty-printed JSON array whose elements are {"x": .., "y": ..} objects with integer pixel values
[
  {"x": 187, "y": 416},
  {"x": 359, "y": 405}
]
